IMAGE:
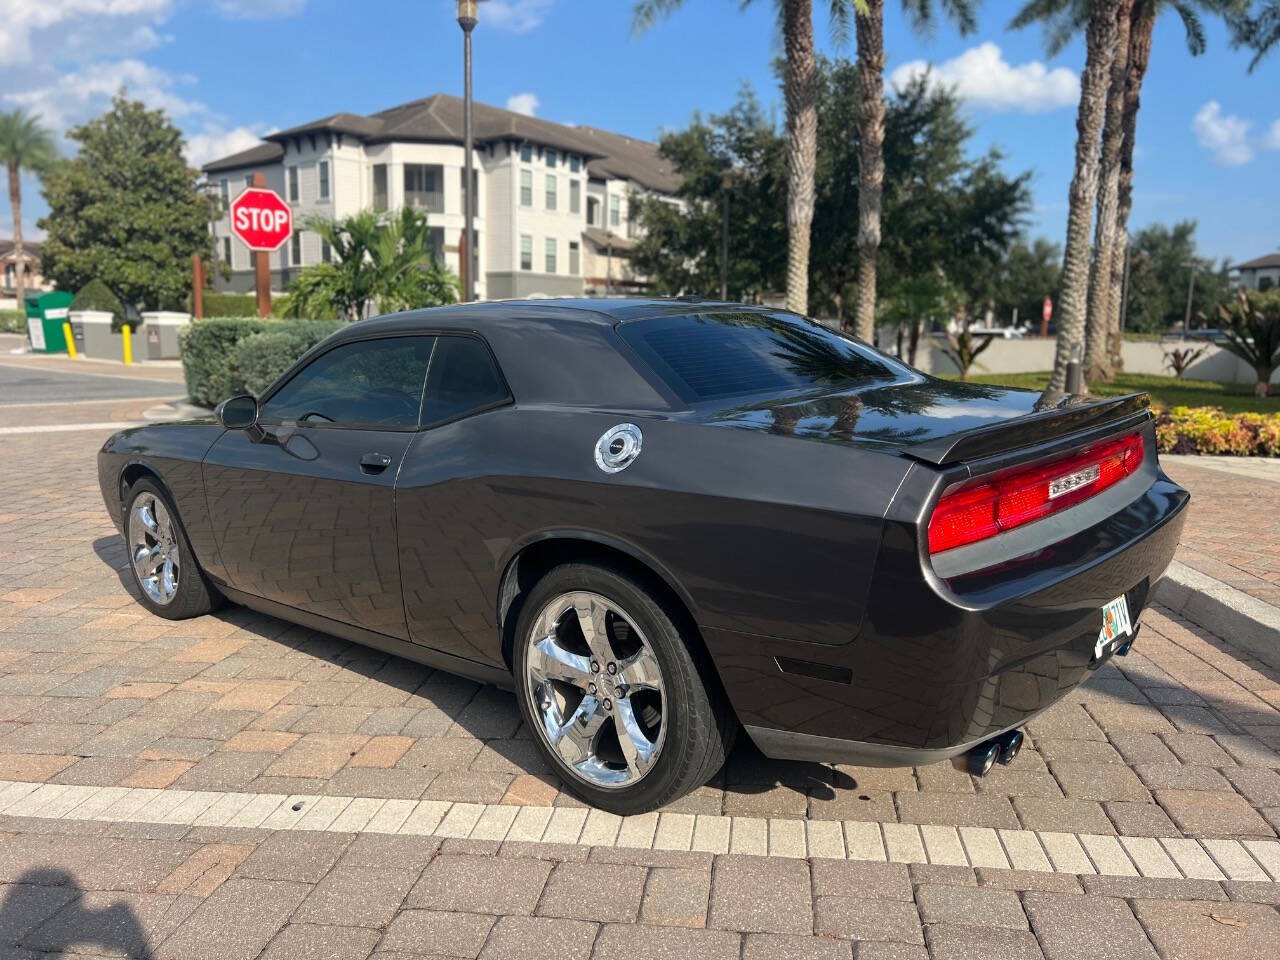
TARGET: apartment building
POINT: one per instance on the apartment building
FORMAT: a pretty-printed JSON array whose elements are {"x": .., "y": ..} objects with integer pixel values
[{"x": 553, "y": 210}]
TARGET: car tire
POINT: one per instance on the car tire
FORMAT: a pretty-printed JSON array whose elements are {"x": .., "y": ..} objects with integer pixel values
[
  {"x": 695, "y": 730},
  {"x": 189, "y": 594}
]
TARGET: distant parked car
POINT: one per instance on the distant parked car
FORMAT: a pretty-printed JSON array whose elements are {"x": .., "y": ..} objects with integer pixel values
[{"x": 661, "y": 520}]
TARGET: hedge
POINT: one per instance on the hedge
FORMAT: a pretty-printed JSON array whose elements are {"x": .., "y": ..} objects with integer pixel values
[
  {"x": 96, "y": 295},
  {"x": 1210, "y": 430},
  {"x": 13, "y": 321},
  {"x": 261, "y": 357},
  {"x": 229, "y": 304},
  {"x": 215, "y": 369}
]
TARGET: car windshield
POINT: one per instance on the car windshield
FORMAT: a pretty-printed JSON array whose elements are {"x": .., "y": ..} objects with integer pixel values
[{"x": 706, "y": 356}]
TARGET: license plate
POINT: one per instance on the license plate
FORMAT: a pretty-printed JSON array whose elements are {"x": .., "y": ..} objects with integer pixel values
[{"x": 1115, "y": 626}]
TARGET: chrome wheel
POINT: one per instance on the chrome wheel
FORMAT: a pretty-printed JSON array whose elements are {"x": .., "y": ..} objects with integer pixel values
[
  {"x": 153, "y": 548},
  {"x": 596, "y": 689}
]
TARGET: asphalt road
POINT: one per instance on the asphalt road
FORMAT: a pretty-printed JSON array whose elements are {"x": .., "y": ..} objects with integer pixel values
[{"x": 29, "y": 385}]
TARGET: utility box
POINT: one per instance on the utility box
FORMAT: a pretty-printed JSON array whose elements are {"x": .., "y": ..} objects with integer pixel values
[{"x": 46, "y": 313}]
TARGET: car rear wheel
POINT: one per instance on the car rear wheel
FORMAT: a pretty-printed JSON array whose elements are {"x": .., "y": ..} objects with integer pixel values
[
  {"x": 164, "y": 568},
  {"x": 615, "y": 692}
]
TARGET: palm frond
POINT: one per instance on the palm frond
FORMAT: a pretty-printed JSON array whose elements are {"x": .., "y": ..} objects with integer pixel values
[
  {"x": 648, "y": 12},
  {"x": 1193, "y": 25}
]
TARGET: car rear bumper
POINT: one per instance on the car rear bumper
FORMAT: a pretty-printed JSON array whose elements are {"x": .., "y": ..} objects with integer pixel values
[{"x": 940, "y": 666}]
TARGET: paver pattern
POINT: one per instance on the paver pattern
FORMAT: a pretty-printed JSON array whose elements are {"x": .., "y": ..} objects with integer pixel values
[
  {"x": 1179, "y": 741},
  {"x": 1233, "y": 534}
]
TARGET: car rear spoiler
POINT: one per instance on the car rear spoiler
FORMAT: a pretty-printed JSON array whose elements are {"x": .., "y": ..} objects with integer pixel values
[{"x": 1047, "y": 424}]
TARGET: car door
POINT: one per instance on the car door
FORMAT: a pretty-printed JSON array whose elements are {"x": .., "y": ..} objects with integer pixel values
[
  {"x": 303, "y": 509},
  {"x": 450, "y": 520}
]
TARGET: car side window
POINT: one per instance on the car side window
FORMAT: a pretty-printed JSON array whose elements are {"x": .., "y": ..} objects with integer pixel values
[
  {"x": 375, "y": 384},
  {"x": 463, "y": 378}
]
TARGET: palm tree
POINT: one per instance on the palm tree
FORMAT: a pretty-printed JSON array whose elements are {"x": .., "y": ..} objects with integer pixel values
[
  {"x": 1100, "y": 43},
  {"x": 869, "y": 23},
  {"x": 1063, "y": 19},
  {"x": 24, "y": 145},
  {"x": 381, "y": 261},
  {"x": 800, "y": 91},
  {"x": 1260, "y": 32}
]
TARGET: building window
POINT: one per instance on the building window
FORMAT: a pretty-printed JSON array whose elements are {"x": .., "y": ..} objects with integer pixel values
[
  {"x": 380, "y": 186},
  {"x": 248, "y": 179},
  {"x": 475, "y": 190},
  {"x": 593, "y": 212},
  {"x": 631, "y": 217},
  {"x": 574, "y": 254},
  {"x": 295, "y": 248},
  {"x": 526, "y": 188},
  {"x": 226, "y": 250},
  {"x": 293, "y": 184},
  {"x": 436, "y": 240},
  {"x": 551, "y": 254},
  {"x": 575, "y": 196},
  {"x": 551, "y": 191},
  {"x": 323, "y": 169},
  {"x": 615, "y": 211},
  {"x": 326, "y": 251},
  {"x": 526, "y": 252},
  {"x": 526, "y": 153},
  {"x": 224, "y": 187},
  {"x": 575, "y": 163},
  {"x": 424, "y": 187},
  {"x": 551, "y": 157}
]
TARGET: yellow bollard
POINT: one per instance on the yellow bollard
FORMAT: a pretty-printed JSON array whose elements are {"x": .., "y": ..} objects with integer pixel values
[
  {"x": 128, "y": 344},
  {"x": 71, "y": 341}
]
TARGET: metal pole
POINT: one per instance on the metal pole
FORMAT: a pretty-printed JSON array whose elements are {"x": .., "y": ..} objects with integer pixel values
[
  {"x": 1191, "y": 289},
  {"x": 724, "y": 250},
  {"x": 468, "y": 189}
]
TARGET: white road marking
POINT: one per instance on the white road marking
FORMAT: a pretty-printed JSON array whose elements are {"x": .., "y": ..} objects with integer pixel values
[
  {"x": 72, "y": 427},
  {"x": 1044, "y": 851}
]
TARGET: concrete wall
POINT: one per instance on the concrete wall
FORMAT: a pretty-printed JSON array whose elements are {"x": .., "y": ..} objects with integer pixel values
[
  {"x": 1030, "y": 354},
  {"x": 94, "y": 337}
]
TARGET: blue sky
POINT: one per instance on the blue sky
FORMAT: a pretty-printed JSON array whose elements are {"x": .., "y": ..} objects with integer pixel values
[{"x": 228, "y": 70}]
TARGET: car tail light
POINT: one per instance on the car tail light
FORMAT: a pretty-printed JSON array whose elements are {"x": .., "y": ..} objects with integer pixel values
[{"x": 974, "y": 510}]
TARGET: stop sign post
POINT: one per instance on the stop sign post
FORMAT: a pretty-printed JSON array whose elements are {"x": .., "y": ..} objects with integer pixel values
[{"x": 262, "y": 221}]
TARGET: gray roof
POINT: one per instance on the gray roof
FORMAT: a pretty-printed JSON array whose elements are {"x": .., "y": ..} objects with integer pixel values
[
  {"x": 438, "y": 119},
  {"x": 30, "y": 251},
  {"x": 605, "y": 239},
  {"x": 1270, "y": 260}
]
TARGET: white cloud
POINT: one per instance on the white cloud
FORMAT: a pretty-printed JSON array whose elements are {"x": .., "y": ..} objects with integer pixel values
[
  {"x": 1226, "y": 136},
  {"x": 1272, "y": 139},
  {"x": 71, "y": 27},
  {"x": 526, "y": 103},
  {"x": 74, "y": 97},
  {"x": 982, "y": 77},
  {"x": 215, "y": 141},
  {"x": 259, "y": 9},
  {"x": 519, "y": 16}
]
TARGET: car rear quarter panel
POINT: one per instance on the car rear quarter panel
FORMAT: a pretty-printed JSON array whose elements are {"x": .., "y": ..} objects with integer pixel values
[{"x": 760, "y": 534}]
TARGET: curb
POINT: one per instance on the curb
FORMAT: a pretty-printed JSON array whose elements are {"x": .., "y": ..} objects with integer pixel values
[{"x": 1244, "y": 621}]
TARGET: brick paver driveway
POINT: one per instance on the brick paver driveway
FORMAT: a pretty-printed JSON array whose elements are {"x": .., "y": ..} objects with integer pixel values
[{"x": 235, "y": 786}]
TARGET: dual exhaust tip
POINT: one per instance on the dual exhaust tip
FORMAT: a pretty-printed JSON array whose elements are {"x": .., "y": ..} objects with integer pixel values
[{"x": 1001, "y": 750}]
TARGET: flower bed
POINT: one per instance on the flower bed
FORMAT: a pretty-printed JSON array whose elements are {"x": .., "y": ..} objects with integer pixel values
[{"x": 1210, "y": 430}]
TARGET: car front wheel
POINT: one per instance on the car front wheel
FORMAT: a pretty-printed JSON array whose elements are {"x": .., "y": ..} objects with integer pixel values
[
  {"x": 164, "y": 568},
  {"x": 615, "y": 692}
]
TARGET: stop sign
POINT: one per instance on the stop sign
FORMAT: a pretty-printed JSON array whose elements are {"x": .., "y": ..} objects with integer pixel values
[
  {"x": 261, "y": 219},
  {"x": 1047, "y": 312}
]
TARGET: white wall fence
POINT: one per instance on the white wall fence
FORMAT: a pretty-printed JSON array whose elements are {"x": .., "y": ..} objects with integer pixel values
[{"x": 1030, "y": 354}]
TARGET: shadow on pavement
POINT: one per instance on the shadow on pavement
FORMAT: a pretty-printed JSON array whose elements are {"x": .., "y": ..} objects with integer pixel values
[{"x": 44, "y": 910}]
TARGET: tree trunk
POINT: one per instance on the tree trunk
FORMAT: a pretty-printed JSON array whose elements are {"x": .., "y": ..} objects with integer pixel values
[
  {"x": 870, "y": 31},
  {"x": 1096, "y": 363},
  {"x": 1140, "y": 30},
  {"x": 1100, "y": 41},
  {"x": 802, "y": 145},
  {"x": 19, "y": 268}
]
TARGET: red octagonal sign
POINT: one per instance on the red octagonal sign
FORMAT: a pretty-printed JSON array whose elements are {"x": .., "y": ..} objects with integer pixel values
[{"x": 261, "y": 219}]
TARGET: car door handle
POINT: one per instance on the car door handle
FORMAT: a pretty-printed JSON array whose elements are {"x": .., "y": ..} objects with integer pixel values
[{"x": 374, "y": 462}]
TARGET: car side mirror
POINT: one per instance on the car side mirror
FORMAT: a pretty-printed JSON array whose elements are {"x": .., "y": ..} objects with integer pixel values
[{"x": 238, "y": 413}]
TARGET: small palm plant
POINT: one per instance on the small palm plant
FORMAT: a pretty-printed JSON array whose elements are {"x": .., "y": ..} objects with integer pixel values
[
  {"x": 1252, "y": 331},
  {"x": 964, "y": 348}
]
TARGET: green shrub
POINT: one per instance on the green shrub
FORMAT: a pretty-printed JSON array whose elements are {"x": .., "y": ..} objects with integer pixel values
[
  {"x": 230, "y": 304},
  {"x": 96, "y": 295},
  {"x": 261, "y": 357},
  {"x": 13, "y": 321},
  {"x": 1210, "y": 430},
  {"x": 207, "y": 361}
]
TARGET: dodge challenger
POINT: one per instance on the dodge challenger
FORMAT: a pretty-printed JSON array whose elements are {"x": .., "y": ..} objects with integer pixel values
[{"x": 665, "y": 521}]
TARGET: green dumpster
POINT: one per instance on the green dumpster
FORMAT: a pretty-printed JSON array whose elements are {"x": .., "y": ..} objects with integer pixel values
[{"x": 46, "y": 313}]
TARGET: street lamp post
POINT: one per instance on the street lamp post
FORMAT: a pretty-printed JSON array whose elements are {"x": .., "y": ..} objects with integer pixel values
[{"x": 467, "y": 21}]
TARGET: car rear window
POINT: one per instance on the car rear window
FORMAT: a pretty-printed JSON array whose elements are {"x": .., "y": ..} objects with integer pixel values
[{"x": 704, "y": 356}]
